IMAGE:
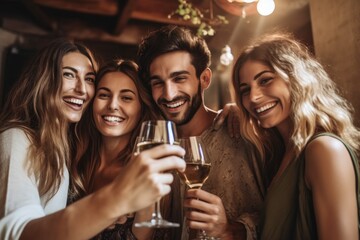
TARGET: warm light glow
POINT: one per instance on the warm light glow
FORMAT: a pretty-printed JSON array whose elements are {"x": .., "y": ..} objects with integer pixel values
[
  {"x": 242, "y": 1},
  {"x": 265, "y": 7},
  {"x": 226, "y": 56}
]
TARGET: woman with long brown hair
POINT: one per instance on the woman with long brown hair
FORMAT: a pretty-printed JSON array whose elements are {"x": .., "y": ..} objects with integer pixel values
[
  {"x": 106, "y": 136},
  {"x": 35, "y": 145}
]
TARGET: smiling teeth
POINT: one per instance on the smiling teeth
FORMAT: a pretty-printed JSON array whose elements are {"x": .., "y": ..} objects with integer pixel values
[
  {"x": 112, "y": 119},
  {"x": 174, "y": 105},
  {"x": 264, "y": 108},
  {"x": 75, "y": 100}
]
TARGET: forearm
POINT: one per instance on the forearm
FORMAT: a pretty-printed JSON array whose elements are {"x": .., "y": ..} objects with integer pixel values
[{"x": 81, "y": 220}]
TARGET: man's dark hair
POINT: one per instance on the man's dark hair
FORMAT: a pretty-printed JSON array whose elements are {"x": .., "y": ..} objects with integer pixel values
[{"x": 169, "y": 39}]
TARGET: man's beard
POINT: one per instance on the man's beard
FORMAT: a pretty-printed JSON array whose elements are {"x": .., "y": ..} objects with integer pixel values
[{"x": 190, "y": 112}]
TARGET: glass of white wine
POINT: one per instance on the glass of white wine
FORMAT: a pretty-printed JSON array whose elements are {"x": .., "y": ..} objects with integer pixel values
[
  {"x": 152, "y": 134},
  {"x": 197, "y": 162},
  {"x": 198, "y": 167}
]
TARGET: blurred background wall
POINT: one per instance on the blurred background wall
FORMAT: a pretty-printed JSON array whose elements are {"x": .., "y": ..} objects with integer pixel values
[{"x": 114, "y": 28}]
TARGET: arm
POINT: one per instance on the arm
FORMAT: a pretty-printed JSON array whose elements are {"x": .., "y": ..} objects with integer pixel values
[
  {"x": 206, "y": 212},
  {"x": 140, "y": 184},
  {"x": 330, "y": 175}
]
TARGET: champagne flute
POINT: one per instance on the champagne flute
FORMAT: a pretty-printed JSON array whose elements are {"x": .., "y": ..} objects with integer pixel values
[
  {"x": 152, "y": 134},
  {"x": 197, "y": 168}
]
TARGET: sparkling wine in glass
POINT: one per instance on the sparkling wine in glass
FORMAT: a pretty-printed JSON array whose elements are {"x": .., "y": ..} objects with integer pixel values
[
  {"x": 152, "y": 134},
  {"x": 197, "y": 168}
]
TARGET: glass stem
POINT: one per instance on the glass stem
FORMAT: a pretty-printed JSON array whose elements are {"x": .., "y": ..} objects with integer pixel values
[{"x": 157, "y": 212}]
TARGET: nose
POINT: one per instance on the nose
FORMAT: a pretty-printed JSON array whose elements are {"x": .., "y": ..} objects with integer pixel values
[
  {"x": 255, "y": 94},
  {"x": 114, "y": 104},
  {"x": 170, "y": 91},
  {"x": 80, "y": 86}
]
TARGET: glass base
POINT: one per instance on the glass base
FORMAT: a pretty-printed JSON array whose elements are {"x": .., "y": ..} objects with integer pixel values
[{"x": 157, "y": 223}]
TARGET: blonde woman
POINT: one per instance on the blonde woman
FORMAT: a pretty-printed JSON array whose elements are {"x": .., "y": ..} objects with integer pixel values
[
  {"x": 35, "y": 142},
  {"x": 285, "y": 95}
]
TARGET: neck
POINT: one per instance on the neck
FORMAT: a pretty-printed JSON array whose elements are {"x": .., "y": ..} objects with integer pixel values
[
  {"x": 202, "y": 120},
  {"x": 285, "y": 130},
  {"x": 110, "y": 148}
]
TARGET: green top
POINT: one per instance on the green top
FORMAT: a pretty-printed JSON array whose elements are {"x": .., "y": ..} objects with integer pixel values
[{"x": 288, "y": 211}]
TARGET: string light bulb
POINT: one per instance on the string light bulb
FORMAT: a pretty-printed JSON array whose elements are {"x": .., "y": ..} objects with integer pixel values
[
  {"x": 226, "y": 57},
  {"x": 265, "y": 7}
]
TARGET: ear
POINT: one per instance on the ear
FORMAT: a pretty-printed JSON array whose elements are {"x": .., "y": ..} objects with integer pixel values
[{"x": 205, "y": 78}]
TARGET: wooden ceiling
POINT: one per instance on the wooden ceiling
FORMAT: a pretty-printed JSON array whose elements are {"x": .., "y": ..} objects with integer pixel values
[{"x": 126, "y": 21}]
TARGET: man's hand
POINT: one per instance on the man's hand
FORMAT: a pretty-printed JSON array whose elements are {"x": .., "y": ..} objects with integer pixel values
[{"x": 206, "y": 212}]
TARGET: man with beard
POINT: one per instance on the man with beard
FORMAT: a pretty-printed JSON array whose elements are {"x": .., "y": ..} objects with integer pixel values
[{"x": 174, "y": 67}]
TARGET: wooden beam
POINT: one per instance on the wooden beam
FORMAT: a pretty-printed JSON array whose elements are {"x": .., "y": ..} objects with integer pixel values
[
  {"x": 158, "y": 11},
  {"x": 40, "y": 17},
  {"x": 124, "y": 14},
  {"x": 101, "y": 7}
]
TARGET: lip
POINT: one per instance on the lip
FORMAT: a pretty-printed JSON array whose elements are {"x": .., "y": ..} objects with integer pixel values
[
  {"x": 74, "y": 103},
  {"x": 263, "y": 109},
  {"x": 112, "y": 120},
  {"x": 174, "y": 106}
]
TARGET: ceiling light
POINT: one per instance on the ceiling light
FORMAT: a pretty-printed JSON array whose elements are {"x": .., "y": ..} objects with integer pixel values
[
  {"x": 242, "y": 1},
  {"x": 226, "y": 57},
  {"x": 265, "y": 7}
]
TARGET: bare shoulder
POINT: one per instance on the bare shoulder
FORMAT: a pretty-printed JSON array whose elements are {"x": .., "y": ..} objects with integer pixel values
[
  {"x": 325, "y": 149},
  {"x": 328, "y": 157},
  {"x": 326, "y": 144}
]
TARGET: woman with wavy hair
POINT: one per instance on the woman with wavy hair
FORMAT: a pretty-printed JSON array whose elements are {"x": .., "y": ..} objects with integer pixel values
[
  {"x": 106, "y": 137},
  {"x": 286, "y": 96},
  {"x": 35, "y": 146}
]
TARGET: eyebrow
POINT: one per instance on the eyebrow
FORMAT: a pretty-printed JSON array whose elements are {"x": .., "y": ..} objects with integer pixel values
[
  {"x": 71, "y": 68},
  {"x": 122, "y": 91},
  {"x": 261, "y": 73},
  {"x": 76, "y": 71},
  {"x": 172, "y": 75},
  {"x": 257, "y": 76}
]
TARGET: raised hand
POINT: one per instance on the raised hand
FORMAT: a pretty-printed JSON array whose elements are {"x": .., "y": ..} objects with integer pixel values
[{"x": 146, "y": 178}]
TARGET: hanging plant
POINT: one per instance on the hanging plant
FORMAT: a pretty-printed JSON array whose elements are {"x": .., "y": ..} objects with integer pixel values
[{"x": 188, "y": 12}]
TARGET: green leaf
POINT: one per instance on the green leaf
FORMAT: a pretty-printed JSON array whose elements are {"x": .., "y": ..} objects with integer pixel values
[{"x": 190, "y": 13}]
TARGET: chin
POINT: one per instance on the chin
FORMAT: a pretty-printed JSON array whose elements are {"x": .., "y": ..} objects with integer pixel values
[
  {"x": 177, "y": 121},
  {"x": 74, "y": 119},
  {"x": 266, "y": 125}
]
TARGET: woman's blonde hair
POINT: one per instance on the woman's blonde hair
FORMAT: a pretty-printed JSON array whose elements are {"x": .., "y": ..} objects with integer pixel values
[
  {"x": 34, "y": 105},
  {"x": 316, "y": 105}
]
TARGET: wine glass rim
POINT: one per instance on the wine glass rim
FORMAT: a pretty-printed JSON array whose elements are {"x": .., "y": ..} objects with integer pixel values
[{"x": 157, "y": 121}]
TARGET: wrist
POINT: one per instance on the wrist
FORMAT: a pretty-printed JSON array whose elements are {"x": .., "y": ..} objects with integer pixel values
[
  {"x": 234, "y": 230},
  {"x": 108, "y": 204}
]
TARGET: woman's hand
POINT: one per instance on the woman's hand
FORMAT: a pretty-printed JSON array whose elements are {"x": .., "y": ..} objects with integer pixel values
[
  {"x": 231, "y": 113},
  {"x": 146, "y": 178}
]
